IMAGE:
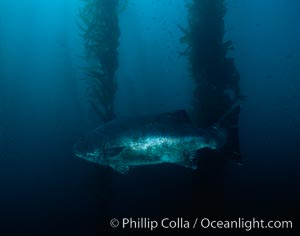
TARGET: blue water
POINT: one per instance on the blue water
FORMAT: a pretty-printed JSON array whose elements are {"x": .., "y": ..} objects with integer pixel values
[{"x": 44, "y": 110}]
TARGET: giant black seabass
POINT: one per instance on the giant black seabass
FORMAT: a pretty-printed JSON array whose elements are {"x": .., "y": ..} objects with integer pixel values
[{"x": 169, "y": 137}]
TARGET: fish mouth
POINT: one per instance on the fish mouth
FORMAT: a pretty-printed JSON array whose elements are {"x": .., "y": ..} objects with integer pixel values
[
  {"x": 84, "y": 155},
  {"x": 76, "y": 152}
]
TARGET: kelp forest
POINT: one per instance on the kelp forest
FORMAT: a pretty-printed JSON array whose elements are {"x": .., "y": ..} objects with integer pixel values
[
  {"x": 119, "y": 114},
  {"x": 214, "y": 74}
]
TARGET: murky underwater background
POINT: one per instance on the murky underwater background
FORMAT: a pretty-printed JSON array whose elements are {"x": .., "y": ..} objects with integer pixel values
[{"x": 43, "y": 111}]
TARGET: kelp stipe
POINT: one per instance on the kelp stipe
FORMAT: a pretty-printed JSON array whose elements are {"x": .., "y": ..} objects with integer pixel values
[
  {"x": 214, "y": 74},
  {"x": 100, "y": 33}
]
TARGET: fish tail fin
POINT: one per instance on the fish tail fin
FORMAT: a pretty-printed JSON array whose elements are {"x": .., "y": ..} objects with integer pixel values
[
  {"x": 230, "y": 118},
  {"x": 229, "y": 123}
]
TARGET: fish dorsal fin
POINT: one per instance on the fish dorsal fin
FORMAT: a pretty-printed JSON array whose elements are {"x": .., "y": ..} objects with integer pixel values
[{"x": 179, "y": 116}]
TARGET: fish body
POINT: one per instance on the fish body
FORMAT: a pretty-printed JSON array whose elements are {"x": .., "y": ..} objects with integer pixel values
[{"x": 169, "y": 137}]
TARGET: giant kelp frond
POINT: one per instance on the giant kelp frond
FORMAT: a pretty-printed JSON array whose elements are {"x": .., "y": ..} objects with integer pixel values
[
  {"x": 99, "y": 27},
  {"x": 210, "y": 68}
]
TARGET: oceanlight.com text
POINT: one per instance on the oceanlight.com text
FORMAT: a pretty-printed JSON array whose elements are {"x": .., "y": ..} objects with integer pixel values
[
  {"x": 248, "y": 225},
  {"x": 199, "y": 223}
]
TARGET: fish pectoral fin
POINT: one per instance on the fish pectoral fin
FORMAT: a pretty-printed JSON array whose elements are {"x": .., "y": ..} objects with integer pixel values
[
  {"x": 110, "y": 152},
  {"x": 121, "y": 169}
]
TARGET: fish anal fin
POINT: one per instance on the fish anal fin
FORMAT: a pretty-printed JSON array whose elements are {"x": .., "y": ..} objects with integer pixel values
[
  {"x": 188, "y": 164},
  {"x": 190, "y": 155},
  {"x": 189, "y": 159}
]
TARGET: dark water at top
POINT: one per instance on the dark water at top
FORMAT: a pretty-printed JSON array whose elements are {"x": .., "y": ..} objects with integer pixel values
[{"x": 43, "y": 111}]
